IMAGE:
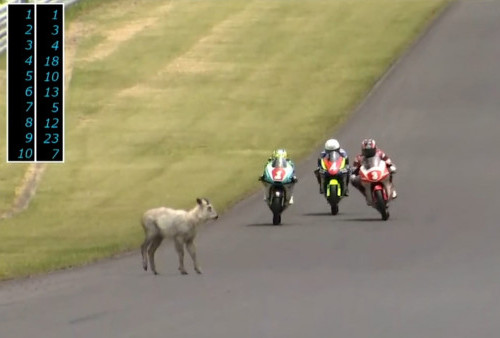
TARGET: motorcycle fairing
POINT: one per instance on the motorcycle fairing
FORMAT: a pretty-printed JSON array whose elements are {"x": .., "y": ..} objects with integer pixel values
[
  {"x": 278, "y": 172},
  {"x": 373, "y": 170},
  {"x": 332, "y": 163},
  {"x": 333, "y": 182}
]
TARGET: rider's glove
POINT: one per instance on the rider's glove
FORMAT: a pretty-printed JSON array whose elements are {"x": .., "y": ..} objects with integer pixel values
[
  {"x": 294, "y": 179},
  {"x": 392, "y": 168}
]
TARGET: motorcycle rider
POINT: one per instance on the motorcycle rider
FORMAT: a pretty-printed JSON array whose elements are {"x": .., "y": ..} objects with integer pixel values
[
  {"x": 276, "y": 155},
  {"x": 369, "y": 149},
  {"x": 332, "y": 145}
]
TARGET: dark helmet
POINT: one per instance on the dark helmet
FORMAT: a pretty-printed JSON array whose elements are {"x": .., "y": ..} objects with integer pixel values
[{"x": 368, "y": 147}]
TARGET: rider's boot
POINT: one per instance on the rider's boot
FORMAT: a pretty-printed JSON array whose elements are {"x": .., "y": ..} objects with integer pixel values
[
  {"x": 347, "y": 179},
  {"x": 394, "y": 194},
  {"x": 345, "y": 187},
  {"x": 390, "y": 187},
  {"x": 368, "y": 200},
  {"x": 318, "y": 178},
  {"x": 364, "y": 192},
  {"x": 357, "y": 184}
]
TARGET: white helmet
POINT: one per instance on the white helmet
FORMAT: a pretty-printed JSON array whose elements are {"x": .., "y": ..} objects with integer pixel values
[{"x": 332, "y": 144}]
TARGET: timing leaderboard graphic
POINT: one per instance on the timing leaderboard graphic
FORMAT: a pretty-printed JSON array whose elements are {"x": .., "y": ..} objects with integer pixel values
[{"x": 35, "y": 74}]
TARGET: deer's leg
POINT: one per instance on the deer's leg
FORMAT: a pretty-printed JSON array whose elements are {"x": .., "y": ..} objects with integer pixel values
[
  {"x": 191, "y": 248},
  {"x": 179, "y": 247}
]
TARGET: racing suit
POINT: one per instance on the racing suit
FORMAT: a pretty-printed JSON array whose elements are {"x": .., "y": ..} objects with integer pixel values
[
  {"x": 288, "y": 187},
  {"x": 356, "y": 181},
  {"x": 318, "y": 172}
]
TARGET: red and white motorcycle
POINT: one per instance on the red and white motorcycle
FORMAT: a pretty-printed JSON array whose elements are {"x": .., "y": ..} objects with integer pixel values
[{"x": 375, "y": 177}]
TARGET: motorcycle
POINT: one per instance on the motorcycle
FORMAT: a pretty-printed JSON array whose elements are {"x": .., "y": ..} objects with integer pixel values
[
  {"x": 278, "y": 178},
  {"x": 333, "y": 171},
  {"x": 375, "y": 177}
]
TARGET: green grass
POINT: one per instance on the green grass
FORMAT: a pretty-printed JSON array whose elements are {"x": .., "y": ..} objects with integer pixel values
[{"x": 191, "y": 105}]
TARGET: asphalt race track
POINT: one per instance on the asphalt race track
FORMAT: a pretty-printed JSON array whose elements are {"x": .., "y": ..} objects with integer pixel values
[{"x": 431, "y": 270}]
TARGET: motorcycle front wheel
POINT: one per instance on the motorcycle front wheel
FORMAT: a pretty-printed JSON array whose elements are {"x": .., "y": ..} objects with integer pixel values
[
  {"x": 333, "y": 198},
  {"x": 276, "y": 206},
  {"x": 334, "y": 208},
  {"x": 381, "y": 205}
]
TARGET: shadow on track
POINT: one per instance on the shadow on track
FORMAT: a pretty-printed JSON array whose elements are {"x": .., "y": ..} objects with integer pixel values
[
  {"x": 324, "y": 213},
  {"x": 271, "y": 225},
  {"x": 359, "y": 219},
  {"x": 262, "y": 225}
]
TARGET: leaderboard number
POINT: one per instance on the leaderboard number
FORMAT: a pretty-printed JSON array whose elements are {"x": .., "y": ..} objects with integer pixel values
[
  {"x": 52, "y": 123},
  {"x": 53, "y": 61},
  {"x": 26, "y": 153},
  {"x": 51, "y": 77},
  {"x": 51, "y": 138},
  {"x": 35, "y": 54},
  {"x": 50, "y": 83},
  {"x": 52, "y": 92}
]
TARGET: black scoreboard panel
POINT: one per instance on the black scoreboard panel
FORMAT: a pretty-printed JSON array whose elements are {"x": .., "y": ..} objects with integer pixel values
[
  {"x": 50, "y": 70},
  {"x": 35, "y": 57},
  {"x": 21, "y": 83}
]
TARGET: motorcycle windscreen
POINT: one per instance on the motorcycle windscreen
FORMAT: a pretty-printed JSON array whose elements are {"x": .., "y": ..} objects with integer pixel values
[
  {"x": 333, "y": 156},
  {"x": 279, "y": 163},
  {"x": 371, "y": 162},
  {"x": 333, "y": 161},
  {"x": 279, "y": 171}
]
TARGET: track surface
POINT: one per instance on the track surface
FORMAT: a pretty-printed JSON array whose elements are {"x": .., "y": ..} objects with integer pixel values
[{"x": 432, "y": 270}]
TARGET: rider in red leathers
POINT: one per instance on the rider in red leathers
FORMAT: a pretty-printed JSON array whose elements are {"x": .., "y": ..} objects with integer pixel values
[{"x": 369, "y": 149}]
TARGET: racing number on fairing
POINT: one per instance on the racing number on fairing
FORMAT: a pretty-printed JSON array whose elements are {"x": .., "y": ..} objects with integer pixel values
[
  {"x": 374, "y": 175},
  {"x": 278, "y": 174}
]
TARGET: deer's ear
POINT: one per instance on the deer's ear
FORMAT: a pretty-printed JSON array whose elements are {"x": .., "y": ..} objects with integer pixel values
[{"x": 199, "y": 201}]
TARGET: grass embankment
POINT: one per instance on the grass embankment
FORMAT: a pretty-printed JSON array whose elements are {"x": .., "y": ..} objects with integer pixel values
[{"x": 169, "y": 101}]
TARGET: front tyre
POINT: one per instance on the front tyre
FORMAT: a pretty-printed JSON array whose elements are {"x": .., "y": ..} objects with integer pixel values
[
  {"x": 276, "y": 207},
  {"x": 385, "y": 216},
  {"x": 334, "y": 208},
  {"x": 333, "y": 198},
  {"x": 381, "y": 205}
]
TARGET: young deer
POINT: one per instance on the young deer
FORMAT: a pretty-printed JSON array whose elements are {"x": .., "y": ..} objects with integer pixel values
[{"x": 179, "y": 225}]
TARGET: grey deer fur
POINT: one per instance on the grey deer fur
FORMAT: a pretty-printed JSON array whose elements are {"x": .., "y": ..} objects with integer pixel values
[{"x": 179, "y": 225}]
